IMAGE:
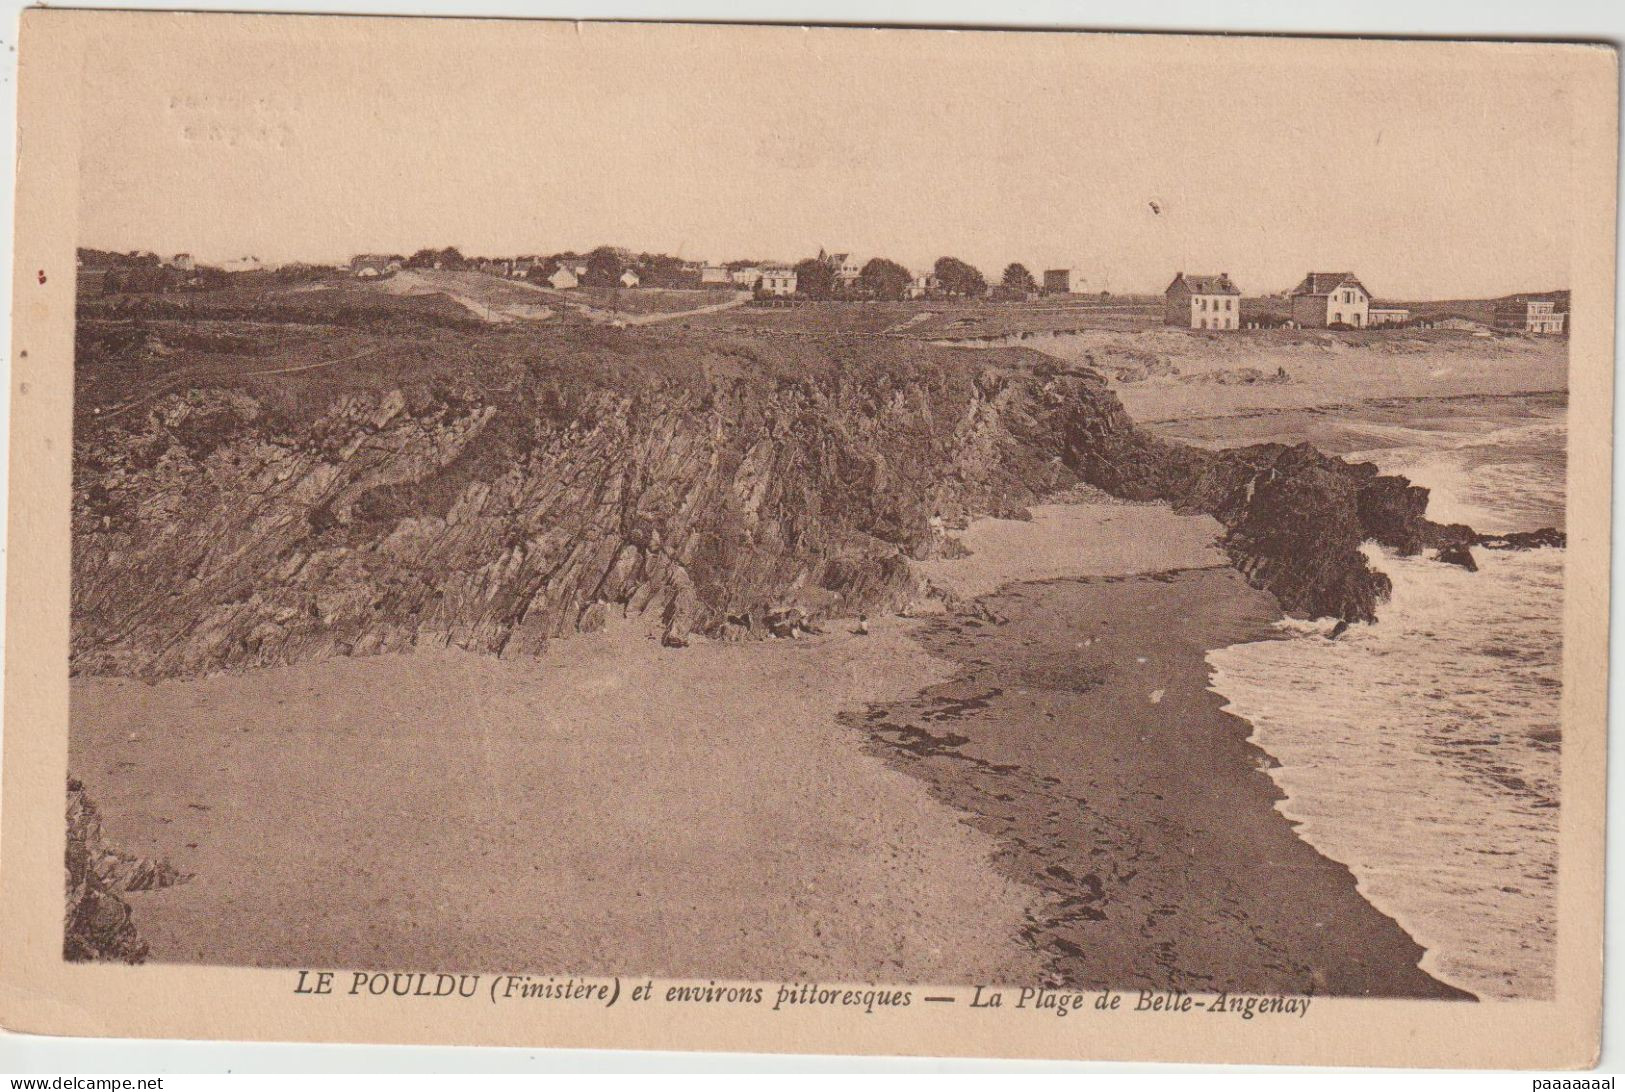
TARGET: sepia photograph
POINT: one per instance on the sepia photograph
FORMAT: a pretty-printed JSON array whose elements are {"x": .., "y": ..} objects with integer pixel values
[{"x": 824, "y": 521}]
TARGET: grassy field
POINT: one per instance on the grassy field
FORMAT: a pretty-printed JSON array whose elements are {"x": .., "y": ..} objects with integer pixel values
[
  {"x": 944, "y": 319},
  {"x": 298, "y": 345}
]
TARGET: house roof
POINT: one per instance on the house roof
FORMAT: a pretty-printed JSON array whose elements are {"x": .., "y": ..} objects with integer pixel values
[
  {"x": 1205, "y": 284},
  {"x": 1324, "y": 284}
]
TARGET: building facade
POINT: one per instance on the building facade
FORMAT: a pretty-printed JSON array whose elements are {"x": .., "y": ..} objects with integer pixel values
[
  {"x": 1388, "y": 316},
  {"x": 922, "y": 283},
  {"x": 1331, "y": 299},
  {"x": 844, "y": 270},
  {"x": 1531, "y": 314},
  {"x": 1063, "y": 282},
  {"x": 1202, "y": 301},
  {"x": 779, "y": 281}
]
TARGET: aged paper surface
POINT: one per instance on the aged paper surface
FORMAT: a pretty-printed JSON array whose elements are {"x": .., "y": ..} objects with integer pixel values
[{"x": 746, "y": 538}]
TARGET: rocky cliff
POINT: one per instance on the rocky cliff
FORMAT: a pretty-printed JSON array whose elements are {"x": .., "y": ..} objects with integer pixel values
[
  {"x": 722, "y": 486},
  {"x": 95, "y": 918}
]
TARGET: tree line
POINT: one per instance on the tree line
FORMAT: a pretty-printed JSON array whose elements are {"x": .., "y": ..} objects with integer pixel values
[
  {"x": 884, "y": 279},
  {"x": 879, "y": 279}
]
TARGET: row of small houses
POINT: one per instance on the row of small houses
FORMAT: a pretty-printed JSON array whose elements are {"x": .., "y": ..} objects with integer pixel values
[
  {"x": 1209, "y": 301},
  {"x": 770, "y": 279},
  {"x": 567, "y": 273}
]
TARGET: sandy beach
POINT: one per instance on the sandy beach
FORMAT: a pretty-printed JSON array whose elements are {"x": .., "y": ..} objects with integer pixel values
[
  {"x": 619, "y": 806},
  {"x": 1179, "y": 375},
  {"x": 1046, "y": 792}
]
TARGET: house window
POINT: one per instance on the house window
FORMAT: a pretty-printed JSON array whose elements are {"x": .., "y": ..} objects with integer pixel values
[
  {"x": 1227, "y": 304},
  {"x": 1337, "y": 316},
  {"x": 1204, "y": 305}
]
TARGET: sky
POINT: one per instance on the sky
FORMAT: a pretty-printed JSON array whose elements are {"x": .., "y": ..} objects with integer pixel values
[{"x": 1432, "y": 170}]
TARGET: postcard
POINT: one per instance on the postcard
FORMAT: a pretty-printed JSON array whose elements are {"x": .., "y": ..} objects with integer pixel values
[{"x": 765, "y": 538}]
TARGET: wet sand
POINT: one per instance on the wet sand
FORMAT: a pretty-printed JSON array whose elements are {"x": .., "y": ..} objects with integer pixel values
[{"x": 1080, "y": 732}]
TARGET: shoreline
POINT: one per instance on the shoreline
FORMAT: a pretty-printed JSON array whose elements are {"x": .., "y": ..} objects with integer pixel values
[
  {"x": 1384, "y": 402},
  {"x": 1432, "y": 954},
  {"x": 1146, "y": 816}
]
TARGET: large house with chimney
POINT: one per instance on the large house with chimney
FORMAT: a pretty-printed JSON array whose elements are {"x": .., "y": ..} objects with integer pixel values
[
  {"x": 1331, "y": 299},
  {"x": 1202, "y": 301}
]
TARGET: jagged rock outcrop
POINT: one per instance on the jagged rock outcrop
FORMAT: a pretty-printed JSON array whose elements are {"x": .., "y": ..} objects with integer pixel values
[
  {"x": 211, "y": 533},
  {"x": 1458, "y": 554},
  {"x": 97, "y": 923},
  {"x": 718, "y": 490}
]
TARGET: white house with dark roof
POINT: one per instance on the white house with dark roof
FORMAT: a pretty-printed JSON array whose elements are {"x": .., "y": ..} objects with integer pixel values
[
  {"x": 1202, "y": 301},
  {"x": 568, "y": 275},
  {"x": 779, "y": 280},
  {"x": 1330, "y": 299}
]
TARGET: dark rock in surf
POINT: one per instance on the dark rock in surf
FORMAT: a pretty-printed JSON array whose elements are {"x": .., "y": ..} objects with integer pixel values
[
  {"x": 1457, "y": 554},
  {"x": 1523, "y": 540}
]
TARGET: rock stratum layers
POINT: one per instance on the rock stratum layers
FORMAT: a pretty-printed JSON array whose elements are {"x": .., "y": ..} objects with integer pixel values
[{"x": 718, "y": 484}]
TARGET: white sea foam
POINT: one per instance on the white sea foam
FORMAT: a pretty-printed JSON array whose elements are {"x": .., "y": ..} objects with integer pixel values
[{"x": 1423, "y": 751}]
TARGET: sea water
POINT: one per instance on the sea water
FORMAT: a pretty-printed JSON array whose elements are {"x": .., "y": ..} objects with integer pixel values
[{"x": 1423, "y": 751}]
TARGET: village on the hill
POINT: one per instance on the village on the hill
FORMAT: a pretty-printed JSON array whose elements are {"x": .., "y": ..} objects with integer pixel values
[{"x": 1198, "y": 301}]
